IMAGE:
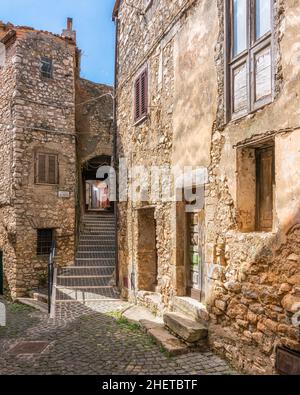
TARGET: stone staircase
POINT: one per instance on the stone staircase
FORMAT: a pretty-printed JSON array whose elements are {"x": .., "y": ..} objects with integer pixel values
[{"x": 91, "y": 278}]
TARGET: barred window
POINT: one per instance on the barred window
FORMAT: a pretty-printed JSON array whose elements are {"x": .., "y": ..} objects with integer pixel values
[
  {"x": 46, "y": 68},
  {"x": 44, "y": 241}
]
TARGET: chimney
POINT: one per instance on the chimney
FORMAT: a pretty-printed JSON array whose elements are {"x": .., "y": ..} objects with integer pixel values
[
  {"x": 69, "y": 32},
  {"x": 70, "y": 24}
]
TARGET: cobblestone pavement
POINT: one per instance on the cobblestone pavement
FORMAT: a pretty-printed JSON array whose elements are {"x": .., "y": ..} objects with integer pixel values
[{"x": 90, "y": 342}]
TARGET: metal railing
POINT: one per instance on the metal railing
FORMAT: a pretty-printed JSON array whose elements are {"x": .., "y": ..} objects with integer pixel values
[{"x": 51, "y": 263}]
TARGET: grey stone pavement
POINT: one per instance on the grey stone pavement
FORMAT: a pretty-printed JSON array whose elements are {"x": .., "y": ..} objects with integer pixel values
[{"x": 92, "y": 340}]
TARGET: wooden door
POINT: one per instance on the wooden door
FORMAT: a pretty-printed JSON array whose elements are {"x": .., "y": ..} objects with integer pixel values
[
  {"x": 265, "y": 184},
  {"x": 195, "y": 223}
]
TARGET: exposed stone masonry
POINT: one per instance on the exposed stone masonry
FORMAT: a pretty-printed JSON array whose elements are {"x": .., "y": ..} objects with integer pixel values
[
  {"x": 42, "y": 115},
  {"x": 251, "y": 279}
]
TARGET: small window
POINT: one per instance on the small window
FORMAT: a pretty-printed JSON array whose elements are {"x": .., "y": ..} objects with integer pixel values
[
  {"x": 46, "y": 169},
  {"x": 249, "y": 56},
  {"x": 45, "y": 238},
  {"x": 255, "y": 187},
  {"x": 46, "y": 68},
  {"x": 141, "y": 96}
]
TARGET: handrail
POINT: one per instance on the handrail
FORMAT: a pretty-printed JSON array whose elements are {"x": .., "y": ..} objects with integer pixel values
[{"x": 51, "y": 274}]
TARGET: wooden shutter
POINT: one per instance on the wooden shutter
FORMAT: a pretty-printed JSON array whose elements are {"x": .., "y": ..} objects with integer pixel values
[
  {"x": 265, "y": 182},
  {"x": 41, "y": 169},
  {"x": 137, "y": 99},
  {"x": 141, "y": 96},
  {"x": 52, "y": 169},
  {"x": 144, "y": 95},
  {"x": 46, "y": 169}
]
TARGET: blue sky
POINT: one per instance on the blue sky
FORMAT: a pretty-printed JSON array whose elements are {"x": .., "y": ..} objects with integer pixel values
[{"x": 92, "y": 21}]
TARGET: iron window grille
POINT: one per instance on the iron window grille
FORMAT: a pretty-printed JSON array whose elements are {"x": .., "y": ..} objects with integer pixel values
[
  {"x": 45, "y": 239},
  {"x": 46, "y": 68}
]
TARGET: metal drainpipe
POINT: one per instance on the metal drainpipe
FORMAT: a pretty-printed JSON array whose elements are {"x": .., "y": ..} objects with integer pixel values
[{"x": 115, "y": 149}]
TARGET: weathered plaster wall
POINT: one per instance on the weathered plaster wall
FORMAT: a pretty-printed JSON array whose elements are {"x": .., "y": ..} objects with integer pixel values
[
  {"x": 252, "y": 279},
  {"x": 195, "y": 98},
  {"x": 251, "y": 295}
]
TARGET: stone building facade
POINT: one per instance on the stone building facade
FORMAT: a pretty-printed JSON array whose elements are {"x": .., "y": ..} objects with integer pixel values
[
  {"x": 46, "y": 129},
  {"x": 188, "y": 96}
]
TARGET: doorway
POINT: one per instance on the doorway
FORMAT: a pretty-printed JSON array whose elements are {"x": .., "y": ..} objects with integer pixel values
[
  {"x": 195, "y": 254},
  {"x": 147, "y": 258},
  {"x": 1, "y": 274},
  {"x": 97, "y": 196},
  {"x": 95, "y": 192}
]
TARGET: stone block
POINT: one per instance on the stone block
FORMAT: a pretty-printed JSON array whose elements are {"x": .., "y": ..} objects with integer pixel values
[
  {"x": 169, "y": 342},
  {"x": 291, "y": 303},
  {"x": 186, "y": 328}
]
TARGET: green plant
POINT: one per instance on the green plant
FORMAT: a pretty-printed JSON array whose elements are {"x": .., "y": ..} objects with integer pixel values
[
  {"x": 124, "y": 323},
  {"x": 19, "y": 308}
]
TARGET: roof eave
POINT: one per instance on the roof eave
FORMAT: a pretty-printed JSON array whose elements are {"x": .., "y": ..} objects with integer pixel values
[{"x": 116, "y": 10}]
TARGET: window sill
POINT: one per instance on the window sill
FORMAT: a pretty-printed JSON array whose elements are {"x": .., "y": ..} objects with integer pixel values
[
  {"x": 236, "y": 119},
  {"x": 256, "y": 233},
  {"x": 141, "y": 120},
  {"x": 45, "y": 185}
]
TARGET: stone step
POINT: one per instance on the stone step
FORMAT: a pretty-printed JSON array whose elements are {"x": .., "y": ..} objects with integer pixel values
[
  {"x": 97, "y": 222},
  {"x": 97, "y": 232},
  {"x": 35, "y": 304},
  {"x": 190, "y": 307},
  {"x": 39, "y": 295},
  {"x": 93, "y": 245},
  {"x": 95, "y": 250},
  {"x": 86, "y": 294},
  {"x": 97, "y": 239},
  {"x": 83, "y": 282},
  {"x": 184, "y": 327},
  {"x": 96, "y": 255},
  {"x": 77, "y": 271},
  {"x": 165, "y": 339},
  {"x": 94, "y": 262}
]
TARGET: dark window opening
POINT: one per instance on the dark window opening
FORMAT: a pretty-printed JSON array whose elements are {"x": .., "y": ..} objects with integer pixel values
[
  {"x": 141, "y": 96},
  {"x": 46, "y": 169},
  {"x": 46, "y": 68},
  {"x": 249, "y": 76},
  {"x": 45, "y": 239}
]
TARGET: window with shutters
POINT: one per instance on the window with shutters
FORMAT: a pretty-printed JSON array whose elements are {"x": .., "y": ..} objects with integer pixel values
[
  {"x": 249, "y": 74},
  {"x": 46, "y": 169},
  {"x": 46, "y": 68},
  {"x": 44, "y": 241},
  {"x": 255, "y": 187},
  {"x": 141, "y": 96}
]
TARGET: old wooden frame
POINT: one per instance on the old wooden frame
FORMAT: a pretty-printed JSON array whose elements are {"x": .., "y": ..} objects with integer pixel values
[
  {"x": 254, "y": 46},
  {"x": 47, "y": 156},
  {"x": 140, "y": 101}
]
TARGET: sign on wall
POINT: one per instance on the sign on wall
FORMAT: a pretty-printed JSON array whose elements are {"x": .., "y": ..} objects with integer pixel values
[{"x": 64, "y": 194}]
